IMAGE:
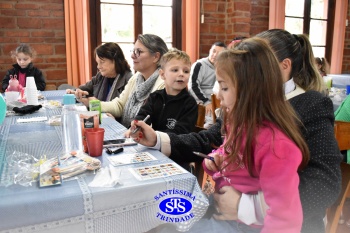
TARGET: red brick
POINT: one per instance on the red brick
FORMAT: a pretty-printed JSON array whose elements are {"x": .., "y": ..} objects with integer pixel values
[
  {"x": 38, "y": 13},
  {"x": 54, "y": 7},
  {"x": 242, "y": 6},
  {"x": 12, "y": 13},
  {"x": 43, "y": 49},
  {"x": 32, "y": 40},
  {"x": 56, "y": 74},
  {"x": 33, "y": 23},
  {"x": 56, "y": 59},
  {"x": 7, "y": 22},
  {"x": 60, "y": 49},
  {"x": 210, "y": 7},
  {"x": 6, "y": 6},
  {"x": 43, "y": 33},
  {"x": 26, "y": 6},
  {"x": 53, "y": 23},
  {"x": 57, "y": 13}
]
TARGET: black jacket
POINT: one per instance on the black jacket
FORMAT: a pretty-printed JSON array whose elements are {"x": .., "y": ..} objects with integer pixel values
[
  {"x": 176, "y": 114},
  {"x": 29, "y": 71}
]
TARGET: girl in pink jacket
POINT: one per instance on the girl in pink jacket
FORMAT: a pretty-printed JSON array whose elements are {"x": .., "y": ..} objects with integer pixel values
[{"x": 263, "y": 148}]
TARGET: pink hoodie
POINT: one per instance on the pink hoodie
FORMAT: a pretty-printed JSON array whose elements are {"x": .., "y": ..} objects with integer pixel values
[{"x": 276, "y": 161}]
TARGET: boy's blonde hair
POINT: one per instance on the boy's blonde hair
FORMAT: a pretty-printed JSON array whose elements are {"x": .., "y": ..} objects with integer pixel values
[{"x": 174, "y": 53}]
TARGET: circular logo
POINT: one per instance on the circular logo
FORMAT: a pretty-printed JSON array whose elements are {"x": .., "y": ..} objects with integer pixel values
[{"x": 175, "y": 206}]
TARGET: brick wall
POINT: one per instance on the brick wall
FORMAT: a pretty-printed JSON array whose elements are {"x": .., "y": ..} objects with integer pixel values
[
  {"x": 40, "y": 23},
  {"x": 226, "y": 19}
]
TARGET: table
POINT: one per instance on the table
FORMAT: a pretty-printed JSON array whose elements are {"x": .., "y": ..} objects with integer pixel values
[{"x": 74, "y": 206}]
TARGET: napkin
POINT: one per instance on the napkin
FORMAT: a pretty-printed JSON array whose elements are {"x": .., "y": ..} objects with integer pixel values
[{"x": 106, "y": 177}]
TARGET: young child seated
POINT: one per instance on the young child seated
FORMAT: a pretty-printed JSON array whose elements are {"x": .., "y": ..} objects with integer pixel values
[
  {"x": 24, "y": 55},
  {"x": 171, "y": 109}
]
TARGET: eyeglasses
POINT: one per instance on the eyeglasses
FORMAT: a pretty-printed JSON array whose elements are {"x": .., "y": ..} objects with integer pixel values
[{"x": 137, "y": 52}]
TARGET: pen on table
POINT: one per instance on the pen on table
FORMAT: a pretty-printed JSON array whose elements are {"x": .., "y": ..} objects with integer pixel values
[
  {"x": 138, "y": 127},
  {"x": 204, "y": 156}
]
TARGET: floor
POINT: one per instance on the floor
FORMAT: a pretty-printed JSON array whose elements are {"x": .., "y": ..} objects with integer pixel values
[{"x": 343, "y": 228}]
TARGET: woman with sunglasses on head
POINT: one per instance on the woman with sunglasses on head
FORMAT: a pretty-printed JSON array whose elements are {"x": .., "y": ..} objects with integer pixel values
[
  {"x": 113, "y": 74},
  {"x": 148, "y": 50}
]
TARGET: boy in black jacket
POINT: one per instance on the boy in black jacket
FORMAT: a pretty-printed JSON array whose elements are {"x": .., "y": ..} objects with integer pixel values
[{"x": 172, "y": 109}]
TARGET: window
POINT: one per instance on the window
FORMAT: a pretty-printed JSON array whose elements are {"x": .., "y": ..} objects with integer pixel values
[
  {"x": 121, "y": 21},
  {"x": 314, "y": 18}
]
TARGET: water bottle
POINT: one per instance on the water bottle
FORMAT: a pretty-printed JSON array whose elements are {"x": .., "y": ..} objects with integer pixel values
[{"x": 72, "y": 138}]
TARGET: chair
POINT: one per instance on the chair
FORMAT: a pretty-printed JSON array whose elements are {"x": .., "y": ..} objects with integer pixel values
[
  {"x": 342, "y": 134},
  {"x": 215, "y": 103},
  {"x": 200, "y": 118},
  {"x": 65, "y": 86}
]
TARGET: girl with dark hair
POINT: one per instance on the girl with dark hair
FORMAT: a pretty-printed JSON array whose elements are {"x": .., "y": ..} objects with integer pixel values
[{"x": 113, "y": 75}]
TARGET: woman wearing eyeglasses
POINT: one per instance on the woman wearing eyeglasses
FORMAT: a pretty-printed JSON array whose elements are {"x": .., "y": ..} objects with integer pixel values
[
  {"x": 113, "y": 74},
  {"x": 148, "y": 50}
]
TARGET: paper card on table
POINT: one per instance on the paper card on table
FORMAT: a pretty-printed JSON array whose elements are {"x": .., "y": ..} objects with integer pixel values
[
  {"x": 124, "y": 159},
  {"x": 157, "y": 171},
  {"x": 48, "y": 174}
]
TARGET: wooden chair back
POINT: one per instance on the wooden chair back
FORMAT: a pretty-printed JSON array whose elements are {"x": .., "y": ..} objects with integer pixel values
[
  {"x": 342, "y": 135},
  {"x": 215, "y": 103},
  {"x": 200, "y": 118}
]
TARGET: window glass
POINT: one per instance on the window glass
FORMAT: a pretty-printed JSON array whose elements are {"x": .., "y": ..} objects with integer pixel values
[
  {"x": 113, "y": 15},
  {"x": 118, "y": 1},
  {"x": 158, "y": 2},
  {"x": 295, "y": 8},
  {"x": 319, "y": 51},
  {"x": 319, "y": 9},
  {"x": 294, "y": 25},
  {"x": 152, "y": 24},
  {"x": 318, "y": 29}
]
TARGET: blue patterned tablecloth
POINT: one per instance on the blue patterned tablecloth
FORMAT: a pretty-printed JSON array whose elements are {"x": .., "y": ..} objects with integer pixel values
[{"x": 74, "y": 206}]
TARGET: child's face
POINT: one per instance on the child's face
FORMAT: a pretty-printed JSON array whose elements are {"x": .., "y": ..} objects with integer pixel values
[
  {"x": 106, "y": 67},
  {"x": 214, "y": 52},
  {"x": 23, "y": 60},
  {"x": 175, "y": 75},
  {"x": 227, "y": 92}
]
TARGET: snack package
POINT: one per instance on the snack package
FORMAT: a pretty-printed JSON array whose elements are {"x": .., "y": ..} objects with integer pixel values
[
  {"x": 54, "y": 171},
  {"x": 88, "y": 119}
]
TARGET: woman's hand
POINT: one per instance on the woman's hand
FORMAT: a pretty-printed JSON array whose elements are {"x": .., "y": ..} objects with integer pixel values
[
  {"x": 127, "y": 134},
  {"x": 145, "y": 136},
  {"x": 227, "y": 201}
]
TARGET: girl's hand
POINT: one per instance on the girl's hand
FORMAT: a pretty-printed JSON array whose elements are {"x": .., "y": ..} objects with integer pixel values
[
  {"x": 226, "y": 202},
  {"x": 145, "y": 136},
  {"x": 211, "y": 165}
]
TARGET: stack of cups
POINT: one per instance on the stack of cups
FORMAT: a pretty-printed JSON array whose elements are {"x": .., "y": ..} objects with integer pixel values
[{"x": 31, "y": 91}]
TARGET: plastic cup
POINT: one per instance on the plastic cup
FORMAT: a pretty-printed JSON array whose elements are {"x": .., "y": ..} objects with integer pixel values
[
  {"x": 11, "y": 96},
  {"x": 30, "y": 82},
  {"x": 347, "y": 89},
  {"x": 94, "y": 140}
]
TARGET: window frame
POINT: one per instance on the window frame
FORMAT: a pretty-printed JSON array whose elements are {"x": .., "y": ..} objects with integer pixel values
[
  {"x": 95, "y": 22},
  {"x": 330, "y": 22}
]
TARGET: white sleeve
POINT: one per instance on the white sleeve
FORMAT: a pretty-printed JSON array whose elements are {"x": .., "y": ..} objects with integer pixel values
[{"x": 252, "y": 209}]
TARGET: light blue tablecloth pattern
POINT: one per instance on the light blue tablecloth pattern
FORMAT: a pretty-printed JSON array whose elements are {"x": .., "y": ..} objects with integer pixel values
[{"x": 74, "y": 206}]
